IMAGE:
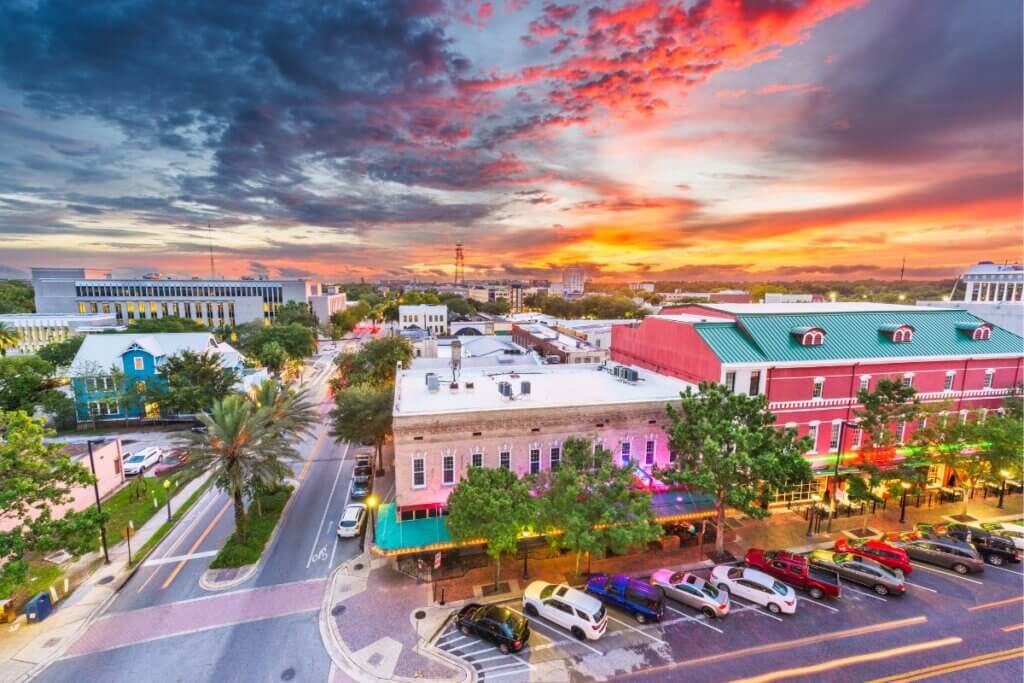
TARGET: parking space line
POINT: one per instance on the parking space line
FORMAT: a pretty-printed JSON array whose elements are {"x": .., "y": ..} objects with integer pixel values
[
  {"x": 945, "y": 573},
  {"x": 634, "y": 628},
  {"x": 537, "y": 622},
  {"x": 453, "y": 640},
  {"x": 519, "y": 665},
  {"x": 698, "y": 620},
  {"x": 917, "y": 585},
  {"x": 506, "y": 673},
  {"x": 866, "y": 594},
  {"x": 755, "y": 609},
  {"x": 1006, "y": 569},
  {"x": 487, "y": 647},
  {"x": 489, "y": 659},
  {"x": 815, "y": 602},
  {"x": 997, "y": 603}
]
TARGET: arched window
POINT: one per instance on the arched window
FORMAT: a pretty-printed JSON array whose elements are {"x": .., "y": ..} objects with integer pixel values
[
  {"x": 813, "y": 338},
  {"x": 981, "y": 334},
  {"x": 902, "y": 335}
]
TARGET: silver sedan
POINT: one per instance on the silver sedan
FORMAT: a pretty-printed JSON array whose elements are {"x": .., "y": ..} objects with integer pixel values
[{"x": 692, "y": 590}]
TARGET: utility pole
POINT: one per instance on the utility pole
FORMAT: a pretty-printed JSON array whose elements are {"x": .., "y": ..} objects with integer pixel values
[{"x": 99, "y": 508}]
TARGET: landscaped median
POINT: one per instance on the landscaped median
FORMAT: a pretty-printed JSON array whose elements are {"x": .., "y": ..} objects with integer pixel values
[
  {"x": 260, "y": 521},
  {"x": 134, "y": 502}
]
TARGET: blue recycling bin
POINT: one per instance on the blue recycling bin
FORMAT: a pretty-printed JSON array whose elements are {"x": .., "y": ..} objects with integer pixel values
[{"x": 39, "y": 607}]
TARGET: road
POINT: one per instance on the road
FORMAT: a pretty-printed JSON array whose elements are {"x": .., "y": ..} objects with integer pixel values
[{"x": 162, "y": 626}]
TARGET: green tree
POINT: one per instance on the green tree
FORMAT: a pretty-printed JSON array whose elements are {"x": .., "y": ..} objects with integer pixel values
[
  {"x": 292, "y": 414},
  {"x": 456, "y": 304},
  {"x": 273, "y": 357},
  {"x": 17, "y": 297},
  {"x": 24, "y": 382},
  {"x": 343, "y": 322},
  {"x": 491, "y": 505},
  {"x": 298, "y": 341},
  {"x": 588, "y": 504},
  {"x": 946, "y": 440},
  {"x": 375, "y": 363},
  {"x": 362, "y": 414},
  {"x": 60, "y": 354},
  {"x": 496, "y": 307},
  {"x": 193, "y": 382},
  {"x": 8, "y": 338},
  {"x": 168, "y": 323},
  {"x": 728, "y": 446},
  {"x": 242, "y": 449},
  {"x": 863, "y": 490},
  {"x": 35, "y": 477},
  {"x": 295, "y": 312},
  {"x": 891, "y": 403}
]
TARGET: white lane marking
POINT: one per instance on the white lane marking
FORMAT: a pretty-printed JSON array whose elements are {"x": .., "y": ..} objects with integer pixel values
[
  {"x": 487, "y": 647},
  {"x": 755, "y": 609},
  {"x": 940, "y": 572},
  {"x": 327, "y": 507},
  {"x": 447, "y": 643},
  {"x": 815, "y": 602},
  {"x": 330, "y": 564},
  {"x": 520, "y": 666},
  {"x": 545, "y": 646},
  {"x": 634, "y": 628},
  {"x": 489, "y": 659},
  {"x": 1005, "y": 569},
  {"x": 866, "y": 594},
  {"x": 917, "y": 585},
  {"x": 537, "y": 622},
  {"x": 698, "y": 620},
  {"x": 178, "y": 558},
  {"x": 491, "y": 676}
]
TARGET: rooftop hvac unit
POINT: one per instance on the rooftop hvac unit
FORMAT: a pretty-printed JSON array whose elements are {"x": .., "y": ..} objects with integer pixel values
[
  {"x": 618, "y": 370},
  {"x": 426, "y": 378},
  {"x": 454, "y": 386},
  {"x": 505, "y": 389},
  {"x": 630, "y": 375},
  {"x": 524, "y": 388},
  {"x": 433, "y": 384}
]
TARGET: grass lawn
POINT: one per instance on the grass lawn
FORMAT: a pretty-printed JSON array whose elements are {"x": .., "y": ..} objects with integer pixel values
[
  {"x": 41, "y": 575},
  {"x": 135, "y": 503},
  {"x": 258, "y": 531}
]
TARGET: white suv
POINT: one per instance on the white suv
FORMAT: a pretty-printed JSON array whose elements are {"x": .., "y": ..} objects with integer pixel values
[
  {"x": 582, "y": 615},
  {"x": 138, "y": 463}
]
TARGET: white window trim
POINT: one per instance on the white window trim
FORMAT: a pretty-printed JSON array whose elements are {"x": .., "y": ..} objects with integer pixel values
[
  {"x": 865, "y": 382},
  {"x": 858, "y": 438},
  {"x": 990, "y": 375},
  {"x": 477, "y": 451},
  {"x": 818, "y": 388},
  {"x": 446, "y": 456},
  {"x": 540, "y": 460},
  {"x": 901, "y": 432},
  {"x": 839, "y": 435},
  {"x": 815, "y": 425},
  {"x": 504, "y": 452},
  {"x": 139, "y": 363},
  {"x": 950, "y": 380},
  {"x": 422, "y": 459}
]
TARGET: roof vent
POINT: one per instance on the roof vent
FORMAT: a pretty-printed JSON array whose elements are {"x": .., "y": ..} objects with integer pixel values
[
  {"x": 505, "y": 389},
  {"x": 524, "y": 388},
  {"x": 454, "y": 386},
  {"x": 469, "y": 386},
  {"x": 433, "y": 383}
]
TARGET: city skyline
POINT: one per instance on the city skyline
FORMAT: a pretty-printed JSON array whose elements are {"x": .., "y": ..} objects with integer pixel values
[{"x": 660, "y": 141}]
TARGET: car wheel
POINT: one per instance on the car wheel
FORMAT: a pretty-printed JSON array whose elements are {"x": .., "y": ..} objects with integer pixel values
[
  {"x": 816, "y": 593},
  {"x": 530, "y": 609},
  {"x": 578, "y": 633},
  {"x": 465, "y": 630},
  {"x": 881, "y": 590},
  {"x": 960, "y": 568},
  {"x": 723, "y": 587},
  {"x": 504, "y": 648},
  {"x": 996, "y": 560},
  {"x": 773, "y": 608},
  {"x": 708, "y": 612},
  {"x": 640, "y": 618}
]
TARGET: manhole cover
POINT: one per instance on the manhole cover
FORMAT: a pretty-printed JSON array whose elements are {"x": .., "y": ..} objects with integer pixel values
[
  {"x": 288, "y": 674},
  {"x": 105, "y": 580},
  {"x": 420, "y": 614},
  {"x": 358, "y": 566},
  {"x": 338, "y": 610},
  {"x": 51, "y": 642}
]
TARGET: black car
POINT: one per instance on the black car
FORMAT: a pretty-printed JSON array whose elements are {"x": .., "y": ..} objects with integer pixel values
[
  {"x": 500, "y": 625},
  {"x": 997, "y": 550},
  {"x": 361, "y": 489},
  {"x": 362, "y": 472}
]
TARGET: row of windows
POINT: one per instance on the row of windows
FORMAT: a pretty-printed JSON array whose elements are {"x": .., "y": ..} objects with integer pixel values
[
  {"x": 753, "y": 388},
  {"x": 94, "y": 384},
  {"x": 857, "y": 434},
  {"x": 101, "y": 408},
  {"x": 426, "y": 318},
  {"x": 130, "y": 310},
  {"x": 270, "y": 294},
  {"x": 997, "y": 291},
  {"x": 818, "y": 388}
]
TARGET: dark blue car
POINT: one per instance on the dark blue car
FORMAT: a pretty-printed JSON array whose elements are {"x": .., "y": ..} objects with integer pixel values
[{"x": 644, "y": 601}]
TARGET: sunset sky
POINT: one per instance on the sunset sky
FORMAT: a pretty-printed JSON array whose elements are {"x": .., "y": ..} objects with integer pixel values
[{"x": 705, "y": 139}]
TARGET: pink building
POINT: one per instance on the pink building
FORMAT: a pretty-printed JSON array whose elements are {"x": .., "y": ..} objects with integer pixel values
[{"x": 810, "y": 360}]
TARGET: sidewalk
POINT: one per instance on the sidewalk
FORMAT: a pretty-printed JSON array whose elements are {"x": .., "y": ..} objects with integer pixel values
[{"x": 25, "y": 649}]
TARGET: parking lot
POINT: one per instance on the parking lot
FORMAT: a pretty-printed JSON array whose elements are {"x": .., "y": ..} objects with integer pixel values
[{"x": 943, "y": 617}]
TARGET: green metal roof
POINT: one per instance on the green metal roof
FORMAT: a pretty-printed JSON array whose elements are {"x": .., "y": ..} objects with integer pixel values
[{"x": 767, "y": 337}]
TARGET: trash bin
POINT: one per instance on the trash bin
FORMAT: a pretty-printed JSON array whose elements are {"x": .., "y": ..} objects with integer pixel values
[{"x": 39, "y": 607}]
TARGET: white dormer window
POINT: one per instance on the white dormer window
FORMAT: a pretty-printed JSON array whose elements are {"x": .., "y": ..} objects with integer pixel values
[
  {"x": 897, "y": 333},
  {"x": 819, "y": 388},
  {"x": 981, "y": 334},
  {"x": 809, "y": 336},
  {"x": 903, "y": 335}
]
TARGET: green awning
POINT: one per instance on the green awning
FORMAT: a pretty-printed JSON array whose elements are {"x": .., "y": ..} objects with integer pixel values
[{"x": 393, "y": 537}]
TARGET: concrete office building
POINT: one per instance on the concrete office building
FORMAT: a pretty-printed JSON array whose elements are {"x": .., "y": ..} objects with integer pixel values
[
  {"x": 993, "y": 292},
  {"x": 574, "y": 281},
  {"x": 431, "y": 318},
  {"x": 36, "y": 330},
  {"x": 325, "y": 305},
  {"x": 512, "y": 293}
]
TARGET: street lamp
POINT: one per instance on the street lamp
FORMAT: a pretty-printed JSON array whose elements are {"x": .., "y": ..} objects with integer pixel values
[
  {"x": 1005, "y": 474},
  {"x": 371, "y": 503},
  {"x": 96, "y": 490},
  {"x": 812, "y": 512},
  {"x": 839, "y": 456},
  {"x": 903, "y": 501},
  {"x": 167, "y": 492}
]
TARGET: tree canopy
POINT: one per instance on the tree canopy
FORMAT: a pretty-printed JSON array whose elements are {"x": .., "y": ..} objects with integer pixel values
[
  {"x": 295, "y": 312},
  {"x": 727, "y": 445},
  {"x": 60, "y": 354},
  {"x": 24, "y": 382},
  {"x": 16, "y": 297},
  {"x": 298, "y": 341},
  {"x": 375, "y": 363},
  {"x": 891, "y": 402},
  {"x": 192, "y": 383},
  {"x": 362, "y": 414},
  {"x": 168, "y": 323}
]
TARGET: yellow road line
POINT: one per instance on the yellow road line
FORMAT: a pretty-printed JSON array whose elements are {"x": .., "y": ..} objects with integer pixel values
[
  {"x": 848, "y": 661},
  {"x": 202, "y": 537},
  {"x": 952, "y": 667},
  {"x": 997, "y": 603},
  {"x": 182, "y": 537},
  {"x": 1009, "y": 629},
  {"x": 799, "y": 642},
  {"x": 312, "y": 455}
]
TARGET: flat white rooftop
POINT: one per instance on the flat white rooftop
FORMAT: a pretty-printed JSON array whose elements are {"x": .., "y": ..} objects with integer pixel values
[{"x": 551, "y": 386}]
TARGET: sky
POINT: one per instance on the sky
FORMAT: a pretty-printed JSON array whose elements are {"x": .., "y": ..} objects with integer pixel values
[{"x": 694, "y": 140}]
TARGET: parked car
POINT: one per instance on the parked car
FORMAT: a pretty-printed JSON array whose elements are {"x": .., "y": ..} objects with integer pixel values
[
  {"x": 362, "y": 472},
  {"x": 756, "y": 586},
  {"x": 796, "y": 571},
  {"x": 881, "y": 552},
  {"x": 352, "y": 520},
  {"x": 172, "y": 461},
  {"x": 692, "y": 590},
  {"x": 995, "y": 548},
  {"x": 582, "y": 615},
  {"x": 644, "y": 601},
  {"x": 500, "y": 625},
  {"x": 137, "y": 463},
  {"x": 361, "y": 489},
  {"x": 944, "y": 552},
  {"x": 859, "y": 570},
  {"x": 1011, "y": 531}
]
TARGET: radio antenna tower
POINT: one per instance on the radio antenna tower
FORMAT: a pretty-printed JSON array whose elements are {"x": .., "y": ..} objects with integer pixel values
[{"x": 460, "y": 265}]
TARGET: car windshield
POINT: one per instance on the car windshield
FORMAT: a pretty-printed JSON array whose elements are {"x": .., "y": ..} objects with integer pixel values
[
  {"x": 347, "y": 523},
  {"x": 546, "y": 592},
  {"x": 172, "y": 460},
  {"x": 779, "y": 588},
  {"x": 135, "y": 458}
]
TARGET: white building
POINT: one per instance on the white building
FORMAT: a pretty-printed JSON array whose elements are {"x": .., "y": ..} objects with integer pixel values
[
  {"x": 642, "y": 286},
  {"x": 430, "y": 317},
  {"x": 993, "y": 292},
  {"x": 36, "y": 330},
  {"x": 574, "y": 280},
  {"x": 326, "y": 304},
  {"x": 781, "y": 298},
  {"x": 210, "y": 302}
]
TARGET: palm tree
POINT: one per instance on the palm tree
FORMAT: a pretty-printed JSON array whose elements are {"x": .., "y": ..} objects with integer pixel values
[
  {"x": 8, "y": 338},
  {"x": 242, "y": 448},
  {"x": 291, "y": 412}
]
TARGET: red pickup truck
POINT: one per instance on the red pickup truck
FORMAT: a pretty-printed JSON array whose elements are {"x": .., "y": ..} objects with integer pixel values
[{"x": 795, "y": 570}]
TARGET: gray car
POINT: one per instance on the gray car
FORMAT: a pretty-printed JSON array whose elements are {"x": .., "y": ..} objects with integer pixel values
[
  {"x": 860, "y": 570},
  {"x": 945, "y": 552},
  {"x": 693, "y": 591}
]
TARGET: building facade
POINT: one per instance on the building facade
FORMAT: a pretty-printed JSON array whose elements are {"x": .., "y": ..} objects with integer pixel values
[
  {"x": 558, "y": 344},
  {"x": 993, "y": 292},
  {"x": 574, "y": 281},
  {"x": 490, "y": 293},
  {"x": 209, "y": 302},
  {"x": 432, "y": 318},
  {"x": 324, "y": 305},
  {"x": 36, "y": 330},
  {"x": 811, "y": 360}
]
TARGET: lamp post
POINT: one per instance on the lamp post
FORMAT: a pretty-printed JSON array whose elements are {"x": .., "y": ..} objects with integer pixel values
[
  {"x": 1005, "y": 474},
  {"x": 371, "y": 504},
  {"x": 167, "y": 492},
  {"x": 812, "y": 512},
  {"x": 99, "y": 508},
  {"x": 903, "y": 501},
  {"x": 835, "y": 474}
]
